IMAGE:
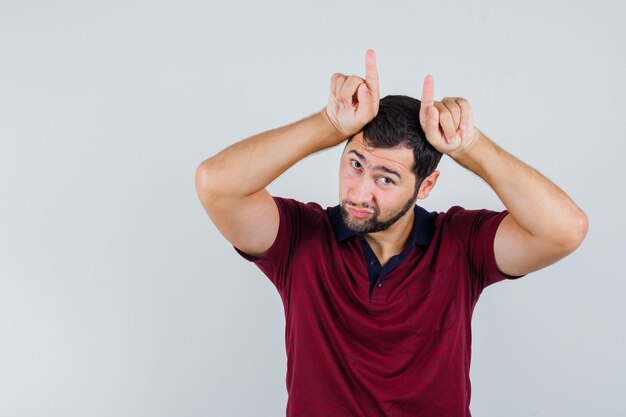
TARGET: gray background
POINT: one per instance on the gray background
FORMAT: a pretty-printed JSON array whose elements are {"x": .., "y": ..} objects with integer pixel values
[{"x": 118, "y": 297}]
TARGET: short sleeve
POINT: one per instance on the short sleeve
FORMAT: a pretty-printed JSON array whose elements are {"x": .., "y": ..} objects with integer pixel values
[
  {"x": 296, "y": 219},
  {"x": 477, "y": 229}
]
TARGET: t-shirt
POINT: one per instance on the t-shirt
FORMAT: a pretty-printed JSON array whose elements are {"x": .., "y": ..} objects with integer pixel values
[{"x": 361, "y": 343}]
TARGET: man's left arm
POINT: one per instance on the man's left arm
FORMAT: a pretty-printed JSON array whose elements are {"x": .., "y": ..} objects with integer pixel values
[{"x": 543, "y": 224}]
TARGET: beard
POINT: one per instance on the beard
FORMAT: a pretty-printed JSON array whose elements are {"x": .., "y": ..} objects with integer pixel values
[{"x": 374, "y": 224}]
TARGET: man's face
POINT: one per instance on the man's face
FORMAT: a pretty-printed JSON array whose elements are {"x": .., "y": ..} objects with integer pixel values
[{"x": 376, "y": 185}]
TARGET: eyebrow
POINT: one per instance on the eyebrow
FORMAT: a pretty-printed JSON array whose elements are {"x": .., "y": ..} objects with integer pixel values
[{"x": 377, "y": 167}]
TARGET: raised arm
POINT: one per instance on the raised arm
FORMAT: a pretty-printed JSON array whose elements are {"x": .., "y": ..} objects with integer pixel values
[
  {"x": 231, "y": 185},
  {"x": 543, "y": 225}
]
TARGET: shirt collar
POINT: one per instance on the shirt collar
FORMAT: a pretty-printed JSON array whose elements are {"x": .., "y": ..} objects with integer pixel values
[{"x": 422, "y": 233}]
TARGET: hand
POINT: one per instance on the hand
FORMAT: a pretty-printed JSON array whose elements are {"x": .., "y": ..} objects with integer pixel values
[
  {"x": 448, "y": 124},
  {"x": 353, "y": 101}
]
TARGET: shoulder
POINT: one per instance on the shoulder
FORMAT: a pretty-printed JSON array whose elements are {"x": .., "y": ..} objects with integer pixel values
[
  {"x": 460, "y": 215},
  {"x": 290, "y": 204},
  {"x": 296, "y": 212},
  {"x": 469, "y": 223}
]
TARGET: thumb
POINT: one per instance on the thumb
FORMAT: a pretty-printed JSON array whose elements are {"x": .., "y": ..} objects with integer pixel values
[
  {"x": 363, "y": 92},
  {"x": 365, "y": 100}
]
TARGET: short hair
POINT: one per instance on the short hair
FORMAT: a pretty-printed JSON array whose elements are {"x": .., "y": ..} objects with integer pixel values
[{"x": 397, "y": 124}]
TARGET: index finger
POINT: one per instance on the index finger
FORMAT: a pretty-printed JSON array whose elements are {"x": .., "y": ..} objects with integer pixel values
[
  {"x": 371, "y": 74},
  {"x": 428, "y": 91}
]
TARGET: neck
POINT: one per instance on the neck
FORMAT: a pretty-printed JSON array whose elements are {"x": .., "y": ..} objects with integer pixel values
[{"x": 391, "y": 241}]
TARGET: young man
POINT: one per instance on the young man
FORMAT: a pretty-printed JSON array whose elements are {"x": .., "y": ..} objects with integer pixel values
[{"x": 378, "y": 292}]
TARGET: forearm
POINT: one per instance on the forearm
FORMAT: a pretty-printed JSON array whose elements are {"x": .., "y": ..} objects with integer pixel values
[
  {"x": 252, "y": 164},
  {"x": 538, "y": 205}
]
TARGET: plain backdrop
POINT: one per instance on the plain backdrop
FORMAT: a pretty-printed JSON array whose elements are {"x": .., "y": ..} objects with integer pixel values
[{"x": 118, "y": 296}]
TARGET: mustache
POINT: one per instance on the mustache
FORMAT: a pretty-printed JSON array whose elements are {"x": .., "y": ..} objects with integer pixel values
[{"x": 366, "y": 206}]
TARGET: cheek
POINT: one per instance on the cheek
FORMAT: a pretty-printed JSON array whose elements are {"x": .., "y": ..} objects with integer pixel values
[
  {"x": 344, "y": 184},
  {"x": 345, "y": 178},
  {"x": 390, "y": 200},
  {"x": 382, "y": 201}
]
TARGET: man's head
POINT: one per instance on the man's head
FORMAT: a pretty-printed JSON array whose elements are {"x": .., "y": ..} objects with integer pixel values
[{"x": 386, "y": 167}]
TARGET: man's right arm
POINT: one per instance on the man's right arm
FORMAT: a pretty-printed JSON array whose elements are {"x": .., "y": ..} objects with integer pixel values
[{"x": 231, "y": 185}]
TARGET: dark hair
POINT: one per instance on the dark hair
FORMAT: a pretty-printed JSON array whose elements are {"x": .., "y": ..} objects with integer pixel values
[{"x": 397, "y": 124}]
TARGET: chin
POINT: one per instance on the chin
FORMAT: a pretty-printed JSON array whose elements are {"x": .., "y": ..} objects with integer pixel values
[{"x": 359, "y": 223}]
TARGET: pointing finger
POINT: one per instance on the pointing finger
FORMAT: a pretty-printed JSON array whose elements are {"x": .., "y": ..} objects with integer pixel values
[
  {"x": 431, "y": 125},
  {"x": 371, "y": 74},
  {"x": 428, "y": 97},
  {"x": 428, "y": 91}
]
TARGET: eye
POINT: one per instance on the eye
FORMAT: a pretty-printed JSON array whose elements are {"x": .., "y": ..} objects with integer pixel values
[
  {"x": 387, "y": 181},
  {"x": 355, "y": 164}
]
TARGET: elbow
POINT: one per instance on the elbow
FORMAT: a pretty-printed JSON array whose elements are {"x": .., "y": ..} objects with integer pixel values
[
  {"x": 577, "y": 233},
  {"x": 201, "y": 177},
  {"x": 211, "y": 184},
  {"x": 204, "y": 182},
  {"x": 583, "y": 227}
]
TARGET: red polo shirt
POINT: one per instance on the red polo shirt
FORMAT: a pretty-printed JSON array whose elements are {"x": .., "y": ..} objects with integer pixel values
[{"x": 369, "y": 341}]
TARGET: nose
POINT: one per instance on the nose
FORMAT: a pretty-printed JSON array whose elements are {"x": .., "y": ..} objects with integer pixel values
[{"x": 362, "y": 192}]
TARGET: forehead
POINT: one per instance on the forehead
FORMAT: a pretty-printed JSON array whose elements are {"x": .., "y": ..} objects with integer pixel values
[{"x": 395, "y": 158}]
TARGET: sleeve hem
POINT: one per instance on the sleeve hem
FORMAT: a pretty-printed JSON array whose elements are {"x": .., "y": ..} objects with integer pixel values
[
  {"x": 274, "y": 247},
  {"x": 492, "y": 254}
]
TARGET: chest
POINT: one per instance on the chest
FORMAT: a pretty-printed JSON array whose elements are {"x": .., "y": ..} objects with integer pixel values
[{"x": 423, "y": 297}]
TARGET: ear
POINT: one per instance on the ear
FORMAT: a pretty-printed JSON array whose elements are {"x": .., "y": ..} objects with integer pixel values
[{"x": 427, "y": 185}]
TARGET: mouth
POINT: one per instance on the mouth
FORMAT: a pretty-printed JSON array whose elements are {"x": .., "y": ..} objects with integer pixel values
[{"x": 361, "y": 214}]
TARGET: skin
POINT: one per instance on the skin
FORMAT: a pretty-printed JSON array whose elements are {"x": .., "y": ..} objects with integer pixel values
[{"x": 543, "y": 224}]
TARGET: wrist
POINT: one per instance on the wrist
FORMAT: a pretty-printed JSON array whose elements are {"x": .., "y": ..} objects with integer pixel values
[
  {"x": 480, "y": 157},
  {"x": 470, "y": 151},
  {"x": 331, "y": 131}
]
